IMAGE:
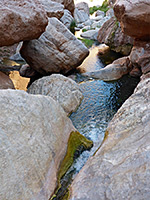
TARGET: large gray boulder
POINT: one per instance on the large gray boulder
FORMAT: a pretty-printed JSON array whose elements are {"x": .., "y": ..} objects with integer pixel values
[
  {"x": 34, "y": 132},
  {"x": 120, "y": 169},
  {"x": 62, "y": 89},
  {"x": 57, "y": 50},
  {"x": 21, "y": 20},
  {"x": 67, "y": 18}
]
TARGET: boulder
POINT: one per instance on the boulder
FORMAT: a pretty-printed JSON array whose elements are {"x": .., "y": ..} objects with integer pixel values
[
  {"x": 62, "y": 89},
  {"x": 67, "y": 18},
  {"x": 34, "y": 132},
  {"x": 120, "y": 169},
  {"x": 134, "y": 17},
  {"x": 5, "y": 82},
  {"x": 25, "y": 20},
  {"x": 90, "y": 34},
  {"x": 53, "y": 9},
  {"x": 83, "y": 6},
  {"x": 17, "y": 56},
  {"x": 68, "y": 4},
  {"x": 111, "y": 34},
  {"x": 80, "y": 16},
  {"x": 57, "y": 50},
  {"x": 140, "y": 56},
  {"x": 27, "y": 71},
  {"x": 99, "y": 13},
  {"x": 112, "y": 71}
]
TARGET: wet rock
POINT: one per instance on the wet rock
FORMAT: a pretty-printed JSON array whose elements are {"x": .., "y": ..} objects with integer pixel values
[
  {"x": 67, "y": 18},
  {"x": 53, "y": 9},
  {"x": 34, "y": 131},
  {"x": 111, "y": 34},
  {"x": 134, "y": 17},
  {"x": 112, "y": 71},
  {"x": 26, "y": 21},
  {"x": 140, "y": 56},
  {"x": 57, "y": 50},
  {"x": 5, "y": 82},
  {"x": 62, "y": 89},
  {"x": 120, "y": 169}
]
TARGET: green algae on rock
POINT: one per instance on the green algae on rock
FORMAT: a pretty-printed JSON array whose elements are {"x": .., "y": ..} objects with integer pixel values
[{"x": 76, "y": 142}]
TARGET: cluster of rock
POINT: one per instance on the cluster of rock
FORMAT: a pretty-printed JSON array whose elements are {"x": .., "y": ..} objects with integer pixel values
[
  {"x": 35, "y": 129},
  {"x": 120, "y": 168}
]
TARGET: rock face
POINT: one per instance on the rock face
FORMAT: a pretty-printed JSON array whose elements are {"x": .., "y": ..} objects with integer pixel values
[
  {"x": 52, "y": 8},
  {"x": 80, "y": 16},
  {"x": 83, "y": 6},
  {"x": 68, "y": 4},
  {"x": 111, "y": 72},
  {"x": 57, "y": 50},
  {"x": 26, "y": 20},
  {"x": 140, "y": 56},
  {"x": 5, "y": 82},
  {"x": 67, "y": 18},
  {"x": 134, "y": 17},
  {"x": 111, "y": 34},
  {"x": 62, "y": 89},
  {"x": 120, "y": 169},
  {"x": 34, "y": 132}
]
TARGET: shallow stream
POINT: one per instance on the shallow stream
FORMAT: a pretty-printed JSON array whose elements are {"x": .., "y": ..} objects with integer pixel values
[{"x": 101, "y": 101}]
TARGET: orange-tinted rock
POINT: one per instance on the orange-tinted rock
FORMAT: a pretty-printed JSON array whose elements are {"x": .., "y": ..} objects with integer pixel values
[
  {"x": 21, "y": 20},
  {"x": 5, "y": 82},
  {"x": 111, "y": 34},
  {"x": 134, "y": 16}
]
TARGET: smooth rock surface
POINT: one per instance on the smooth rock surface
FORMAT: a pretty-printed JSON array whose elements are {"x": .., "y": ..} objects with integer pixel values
[
  {"x": 140, "y": 56},
  {"x": 53, "y": 9},
  {"x": 112, "y": 71},
  {"x": 134, "y": 16},
  {"x": 26, "y": 20},
  {"x": 111, "y": 34},
  {"x": 57, "y": 50},
  {"x": 62, "y": 89},
  {"x": 90, "y": 34},
  {"x": 120, "y": 169},
  {"x": 34, "y": 132},
  {"x": 5, "y": 82}
]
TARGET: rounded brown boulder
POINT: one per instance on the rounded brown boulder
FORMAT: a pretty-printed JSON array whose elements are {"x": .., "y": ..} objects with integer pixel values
[{"x": 134, "y": 17}]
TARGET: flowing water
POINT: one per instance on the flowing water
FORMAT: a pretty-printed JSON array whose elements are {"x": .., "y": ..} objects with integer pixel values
[{"x": 101, "y": 101}]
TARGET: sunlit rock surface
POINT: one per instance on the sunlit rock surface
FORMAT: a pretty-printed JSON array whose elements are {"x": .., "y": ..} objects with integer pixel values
[
  {"x": 57, "y": 50},
  {"x": 120, "y": 169},
  {"x": 34, "y": 132},
  {"x": 21, "y": 20},
  {"x": 62, "y": 89}
]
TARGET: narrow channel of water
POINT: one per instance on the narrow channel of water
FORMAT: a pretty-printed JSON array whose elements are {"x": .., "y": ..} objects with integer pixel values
[{"x": 101, "y": 101}]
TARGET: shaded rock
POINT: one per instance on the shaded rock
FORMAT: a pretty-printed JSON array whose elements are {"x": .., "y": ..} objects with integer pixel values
[
  {"x": 111, "y": 34},
  {"x": 140, "y": 56},
  {"x": 120, "y": 169},
  {"x": 135, "y": 72},
  {"x": 67, "y": 18},
  {"x": 26, "y": 21},
  {"x": 57, "y": 50},
  {"x": 90, "y": 34},
  {"x": 134, "y": 17},
  {"x": 17, "y": 56},
  {"x": 5, "y": 82},
  {"x": 62, "y": 89},
  {"x": 83, "y": 6},
  {"x": 27, "y": 71},
  {"x": 99, "y": 13},
  {"x": 53, "y": 9},
  {"x": 80, "y": 16},
  {"x": 34, "y": 131},
  {"x": 112, "y": 71},
  {"x": 68, "y": 4}
]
